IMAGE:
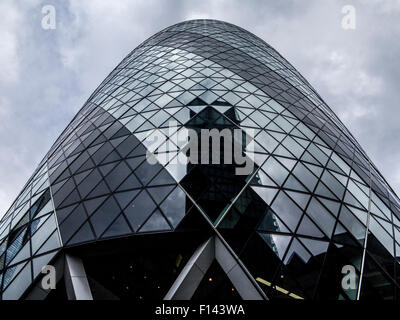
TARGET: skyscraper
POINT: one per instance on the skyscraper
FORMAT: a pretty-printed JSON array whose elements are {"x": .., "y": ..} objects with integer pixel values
[{"x": 312, "y": 219}]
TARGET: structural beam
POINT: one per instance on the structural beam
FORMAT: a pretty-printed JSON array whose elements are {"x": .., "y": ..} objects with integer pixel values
[
  {"x": 189, "y": 279},
  {"x": 76, "y": 281}
]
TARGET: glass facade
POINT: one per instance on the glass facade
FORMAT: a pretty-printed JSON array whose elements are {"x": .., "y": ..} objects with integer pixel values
[{"x": 313, "y": 204}]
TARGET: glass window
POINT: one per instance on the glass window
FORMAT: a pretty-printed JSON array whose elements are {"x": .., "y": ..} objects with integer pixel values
[{"x": 287, "y": 210}]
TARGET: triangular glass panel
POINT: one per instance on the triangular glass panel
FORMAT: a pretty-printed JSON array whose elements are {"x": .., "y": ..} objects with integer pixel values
[
  {"x": 267, "y": 194},
  {"x": 300, "y": 198},
  {"x": 324, "y": 191},
  {"x": 278, "y": 243},
  {"x": 321, "y": 217},
  {"x": 287, "y": 210},
  {"x": 46, "y": 209},
  {"x": 23, "y": 254},
  {"x": 308, "y": 228},
  {"x": 100, "y": 190},
  {"x": 271, "y": 223},
  {"x": 92, "y": 205},
  {"x": 197, "y": 102},
  {"x": 333, "y": 206},
  {"x": 174, "y": 206},
  {"x": 83, "y": 235},
  {"x": 64, "y": 212},
  {"x": 155, "y": 223},
  {"x": 81, "y": 176},
  {"x": 261, "y": 179},
  {"x": 39, "y": 262},
  {"x": 162, "y": 178},
  {"x": 130, "y": 183},
  {"x": 105, "y": 169},
  {"x": 104, "y": 215},
  {"x": 123, "y": 198},
  {"x": 139, "y": 210},
  {"x": 118, "y": 227},
  {"x": 159, "y": 193},
  {"x": 288, "y": 163},
  {"x": 316, "y": 247},
  {"x": 297, "y": 251},
  {"x": 52, "y": 243}
]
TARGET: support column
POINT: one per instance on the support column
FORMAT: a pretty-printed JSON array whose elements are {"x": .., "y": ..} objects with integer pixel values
[
  {"x": 235, "y": 273},
  {"x": 76, "y": 281},
  {"x": 189, "y": 279}
]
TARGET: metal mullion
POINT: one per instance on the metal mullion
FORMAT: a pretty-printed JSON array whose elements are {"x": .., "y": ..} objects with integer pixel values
[
  {"x": 52, "y": 202},
  {"x": 366, "y": 236}
]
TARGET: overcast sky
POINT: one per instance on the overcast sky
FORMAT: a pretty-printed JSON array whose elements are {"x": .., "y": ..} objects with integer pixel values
[{"x": 47, "y": 75}]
